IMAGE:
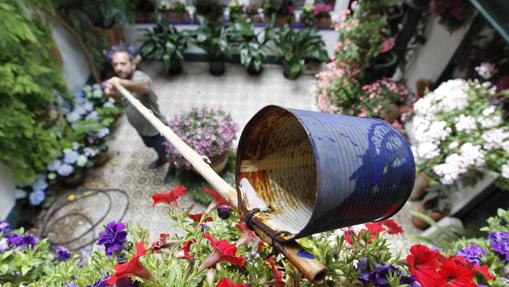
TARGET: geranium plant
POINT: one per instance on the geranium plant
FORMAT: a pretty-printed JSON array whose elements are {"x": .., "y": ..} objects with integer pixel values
[
  {"x": 459, "y": 129},
  {"x": 209, "y": 132},
  {"x": 453, "y": 13},
  {"x": 322, "y": 10}
]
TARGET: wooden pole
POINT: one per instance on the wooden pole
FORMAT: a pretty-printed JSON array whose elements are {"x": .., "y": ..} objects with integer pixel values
[{"x": 309, "y": 266}]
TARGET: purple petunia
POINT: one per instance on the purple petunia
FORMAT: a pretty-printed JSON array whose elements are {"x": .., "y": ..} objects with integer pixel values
[
  {"x": 472, "y": 253},
  {"x": 112, "y": 237},
  {"x": 224, "y": 211},
  {"x": 500, "y": 243},
  {"x": 4, "y": 226},
  {"x": 378, "y": 277},
  {"x": 4, "y": 244},
  {"x": 70, "y": 284},
  {"x": 62, "y": 253},
  {"x": 99, "y": 283},
  {"x": 21, "y": 241}
]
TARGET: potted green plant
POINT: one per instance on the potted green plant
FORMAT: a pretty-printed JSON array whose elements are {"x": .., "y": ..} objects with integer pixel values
[
  {"x": 306, "y": 17},
  {"x": 253, "y": 51},
  {"x": 236, "y": 8},
  {"x": 322, "y": 15},
  {"x": 251, "y": 12},
  {"x": 174, "y": 11},
  {"x": 110, "y": 16},
  {"x": 144, "y": 10},
  {"x": 210, "y": 9},
  {"x": 165, "y": 43},
  {"x": 212, "y": 37},
  {"x": 279, "y": 12},
  {"x": 295, "y": 46}
]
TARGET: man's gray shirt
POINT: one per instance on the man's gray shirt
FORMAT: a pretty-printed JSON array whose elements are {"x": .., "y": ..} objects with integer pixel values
[{"x": 135, "y": 118}]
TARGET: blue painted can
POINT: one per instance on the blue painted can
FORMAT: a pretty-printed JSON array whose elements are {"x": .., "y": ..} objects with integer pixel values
[{"x": 319, "y": 171}]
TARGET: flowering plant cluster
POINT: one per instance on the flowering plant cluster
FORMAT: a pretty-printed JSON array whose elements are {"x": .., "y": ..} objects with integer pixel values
[
  {"x": 89, "y": 116},
  {"x": 24, "y": 258},
  {"x": 458, "y": 130},
  {"x": 322, "y": 10},
  {"x": 175, "y": 6},
  {"x": 209, "y": 132},
  {"x": 209, "y": 251},
  {"x": 453, "y": 13},
  {"x": 348, "y": 85}
]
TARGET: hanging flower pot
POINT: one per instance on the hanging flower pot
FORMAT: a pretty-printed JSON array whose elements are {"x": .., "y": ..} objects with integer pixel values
[
  {"x": 394, "y": 17},
  {"x": 385, "y": 64}
]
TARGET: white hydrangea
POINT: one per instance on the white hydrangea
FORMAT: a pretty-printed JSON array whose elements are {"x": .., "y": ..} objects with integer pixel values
[
  {"x": 505, "y": 171},
  {"x": 494, "y": 139},
  {"x": 465, "y": 123},
  {"x": 427, "y": 150}
]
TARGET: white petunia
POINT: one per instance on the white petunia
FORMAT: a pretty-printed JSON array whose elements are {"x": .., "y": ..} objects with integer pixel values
[
  {"x": 427, "y": 150},
  {"x": 465, "y": 123},
  {"x": 494, "y": 139},
  {"x": 488, "y": 110},
  {"x": 490, "y": 122},
  {"x": 505, "y": 171},
  {"x": 486, "y": 70}
]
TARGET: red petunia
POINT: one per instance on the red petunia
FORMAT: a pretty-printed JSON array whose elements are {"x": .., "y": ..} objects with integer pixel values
[
  {"x": 223, "y": 252},
  {"x": 197, "y": 217},
  {"x": 247, "y": 234},
  {"x": 424, "y": 263},
  {"x": 162, "y": 243},
  {"x": 169, "y": 197},
  {"x": 481, "y": 269},
  {"x": 278, "y": 275},
  {"x": 217, "y": 199},
  {"x": 225, "y": 282},
  {"x": 392, "y": 226},
  {"x": 132, "y": 268},
  {"x": 184, "y": 252},
  {"x": 455, "y": 275}
]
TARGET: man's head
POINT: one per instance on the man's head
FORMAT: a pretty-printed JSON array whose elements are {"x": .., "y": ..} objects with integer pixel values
[{"x": 123, "y": 63}]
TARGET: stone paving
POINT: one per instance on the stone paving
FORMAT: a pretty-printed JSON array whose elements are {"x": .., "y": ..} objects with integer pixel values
[{"x": 236, "y": 92}]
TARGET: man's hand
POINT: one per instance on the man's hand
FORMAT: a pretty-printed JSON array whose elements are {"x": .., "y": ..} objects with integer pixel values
[{"x": 109, "y": 87}]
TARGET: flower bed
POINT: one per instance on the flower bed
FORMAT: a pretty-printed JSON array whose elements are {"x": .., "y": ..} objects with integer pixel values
[{"x": 208, "y": 251}]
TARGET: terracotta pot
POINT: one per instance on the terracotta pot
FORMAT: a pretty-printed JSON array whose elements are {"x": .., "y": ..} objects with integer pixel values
[
  {"x": 421, "y": 184},
  {"x": 101, "y": 158},
  {"x": 435, "y": 215},
  {"x": 256, "y": 18},
  {"x": 177, "y": 17},
  {"x": 323, "y": 22},
  {"x": 75, "y": 180}
]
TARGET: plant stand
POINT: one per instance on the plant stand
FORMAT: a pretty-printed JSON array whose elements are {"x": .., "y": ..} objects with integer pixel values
[
  {"x": 75, "y": 180},
  {"x": 101, "y": 158}
]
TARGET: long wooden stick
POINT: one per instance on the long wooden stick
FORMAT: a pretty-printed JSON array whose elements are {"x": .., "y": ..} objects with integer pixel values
[{"x": 309, "y": 266}]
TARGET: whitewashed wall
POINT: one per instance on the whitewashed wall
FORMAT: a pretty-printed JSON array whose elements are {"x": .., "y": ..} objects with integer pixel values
[
  {"x": 7, "y": 192},
  {"x": 432, "y": 58}
]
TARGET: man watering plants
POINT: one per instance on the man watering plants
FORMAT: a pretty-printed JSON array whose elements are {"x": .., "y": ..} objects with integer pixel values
[{"x": 140, "y": 85}]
